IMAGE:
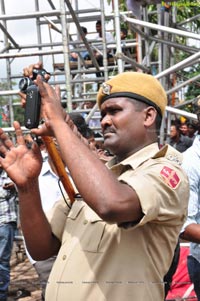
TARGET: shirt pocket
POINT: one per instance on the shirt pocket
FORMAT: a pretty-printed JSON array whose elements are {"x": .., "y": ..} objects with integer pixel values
[
  {"x": 84, "y": 224},
  {"x": 94, "y": 236}
]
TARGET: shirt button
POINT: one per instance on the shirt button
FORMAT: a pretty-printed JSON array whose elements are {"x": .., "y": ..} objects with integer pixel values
[
  {"x": 64, "y": 257},
  {"x": 85, "y": 222}
]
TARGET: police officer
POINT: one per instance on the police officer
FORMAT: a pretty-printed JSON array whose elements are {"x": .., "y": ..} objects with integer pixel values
[{"x": 118, "y": 240}]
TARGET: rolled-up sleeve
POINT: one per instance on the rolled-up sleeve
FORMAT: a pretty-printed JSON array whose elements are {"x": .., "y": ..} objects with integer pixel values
[{"x": 160, "y": 201}]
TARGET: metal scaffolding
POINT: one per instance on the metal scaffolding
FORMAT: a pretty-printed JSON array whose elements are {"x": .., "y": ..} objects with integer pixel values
[{"x": 147, "y": 37}]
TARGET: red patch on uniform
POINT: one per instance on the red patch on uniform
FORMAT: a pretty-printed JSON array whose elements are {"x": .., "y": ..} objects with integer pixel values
[{"x": 170, "y": 176}]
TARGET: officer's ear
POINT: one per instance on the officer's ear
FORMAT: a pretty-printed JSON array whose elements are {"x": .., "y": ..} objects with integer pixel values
[{"x": 150, "y": 116}]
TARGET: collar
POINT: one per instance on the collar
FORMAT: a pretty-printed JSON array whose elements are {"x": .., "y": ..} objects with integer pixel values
[
  {"x": 46, "y": 169},
  {"x": 3, "y": 174},
  {"x": 150, "y": 151}
]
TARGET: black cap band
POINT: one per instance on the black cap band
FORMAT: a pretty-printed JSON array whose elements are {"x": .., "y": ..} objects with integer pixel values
[{"x": 135, "y": 97}]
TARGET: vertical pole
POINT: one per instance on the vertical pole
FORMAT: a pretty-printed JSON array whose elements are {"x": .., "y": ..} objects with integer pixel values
[
  {"x": 146, "y": 30},
  {"x": 39, "y": 36},
  {"x": 66, "y": 53},
  {"x": 118, "y": 34},
  {"x": 105, "y": 61},
  {"x": 8, "y": 68},
  {"x": 160, "y": 45},
  {"x": 160, "y": 69}
]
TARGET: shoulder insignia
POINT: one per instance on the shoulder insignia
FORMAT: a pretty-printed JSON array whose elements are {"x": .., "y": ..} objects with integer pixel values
[
  {"x": 170, "y": 177},
  {"x": 174, "y": 157},
  {"x": 106, "y": 89}
]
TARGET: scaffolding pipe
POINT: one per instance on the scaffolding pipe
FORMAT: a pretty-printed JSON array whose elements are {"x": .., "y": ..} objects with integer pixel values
[
  {"x": 166, "y": 56},
  {"x": 53, "y": 25},
  {"x": 34, "y": 15},
  {"x": 81, "y": 19},
  {"x": 144, "y": 61},
  {"x": 147, "y": 48},
  {"x": 189, "y": 49},
  {"x": 105, "y": 61},
  {"x": 9, "y": 92},
  {"x": 9, "y": 37},
  {"x": 181, "y": 113},
  {"x": 189, "y": 20},
  {"x": 187, "y": 102},
  {"x": 51, "y": 4},
  {"x": 66, "y": 53},
  {"x": 179, "y": 65},
  {"x": 33, "y": 53},
  {"x": 173, "y": 44},
  {"x": 7, "y": 66},
  {"x": 132, "y": 62},
  {"x": 94, "y": 61},
  {"x": 187, "y": 82},
  {"x": 179, "y": 32},
  {"x": 39, "y": 36},
  {"x": 118, "y": 35}
]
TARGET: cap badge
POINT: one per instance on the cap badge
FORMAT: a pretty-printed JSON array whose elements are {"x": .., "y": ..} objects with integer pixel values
[{"x": 106, "y": 89}]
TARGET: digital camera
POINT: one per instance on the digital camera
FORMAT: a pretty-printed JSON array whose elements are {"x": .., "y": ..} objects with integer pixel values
[{"x": 33, "y": 99}]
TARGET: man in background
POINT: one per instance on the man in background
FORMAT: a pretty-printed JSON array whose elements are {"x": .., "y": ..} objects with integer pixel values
[
  {"x": 177, "y": 140},
  {"x": 98, "y": 50}
]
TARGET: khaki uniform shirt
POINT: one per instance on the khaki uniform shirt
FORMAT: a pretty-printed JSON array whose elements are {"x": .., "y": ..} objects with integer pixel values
[{"x": 101, "y": 261}]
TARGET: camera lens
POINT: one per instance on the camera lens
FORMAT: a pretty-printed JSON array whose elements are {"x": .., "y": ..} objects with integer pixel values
[{"x": 24, "y": 83}]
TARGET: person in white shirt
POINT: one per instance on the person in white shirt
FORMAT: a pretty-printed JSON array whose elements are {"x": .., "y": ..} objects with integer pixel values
[
  {"x": 191, "y": 229},
  {"x": 98, "y": 51},
  {"x": 108, "y": 35}
]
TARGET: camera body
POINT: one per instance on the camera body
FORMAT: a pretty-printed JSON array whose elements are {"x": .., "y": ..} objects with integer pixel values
[{"x": 33, "y": 99}]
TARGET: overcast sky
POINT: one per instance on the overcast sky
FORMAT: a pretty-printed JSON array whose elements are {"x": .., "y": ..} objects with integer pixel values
[{"x": 24, "y": 31}]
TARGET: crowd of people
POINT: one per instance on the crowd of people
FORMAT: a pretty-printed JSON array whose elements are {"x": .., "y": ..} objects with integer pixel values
[
  {"x": 182, "y": 134},
  {"x": 113, "y": 239}
]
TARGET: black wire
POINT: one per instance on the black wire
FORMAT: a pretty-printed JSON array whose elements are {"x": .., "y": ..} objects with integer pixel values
[{"x": 59, "y": 184}]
